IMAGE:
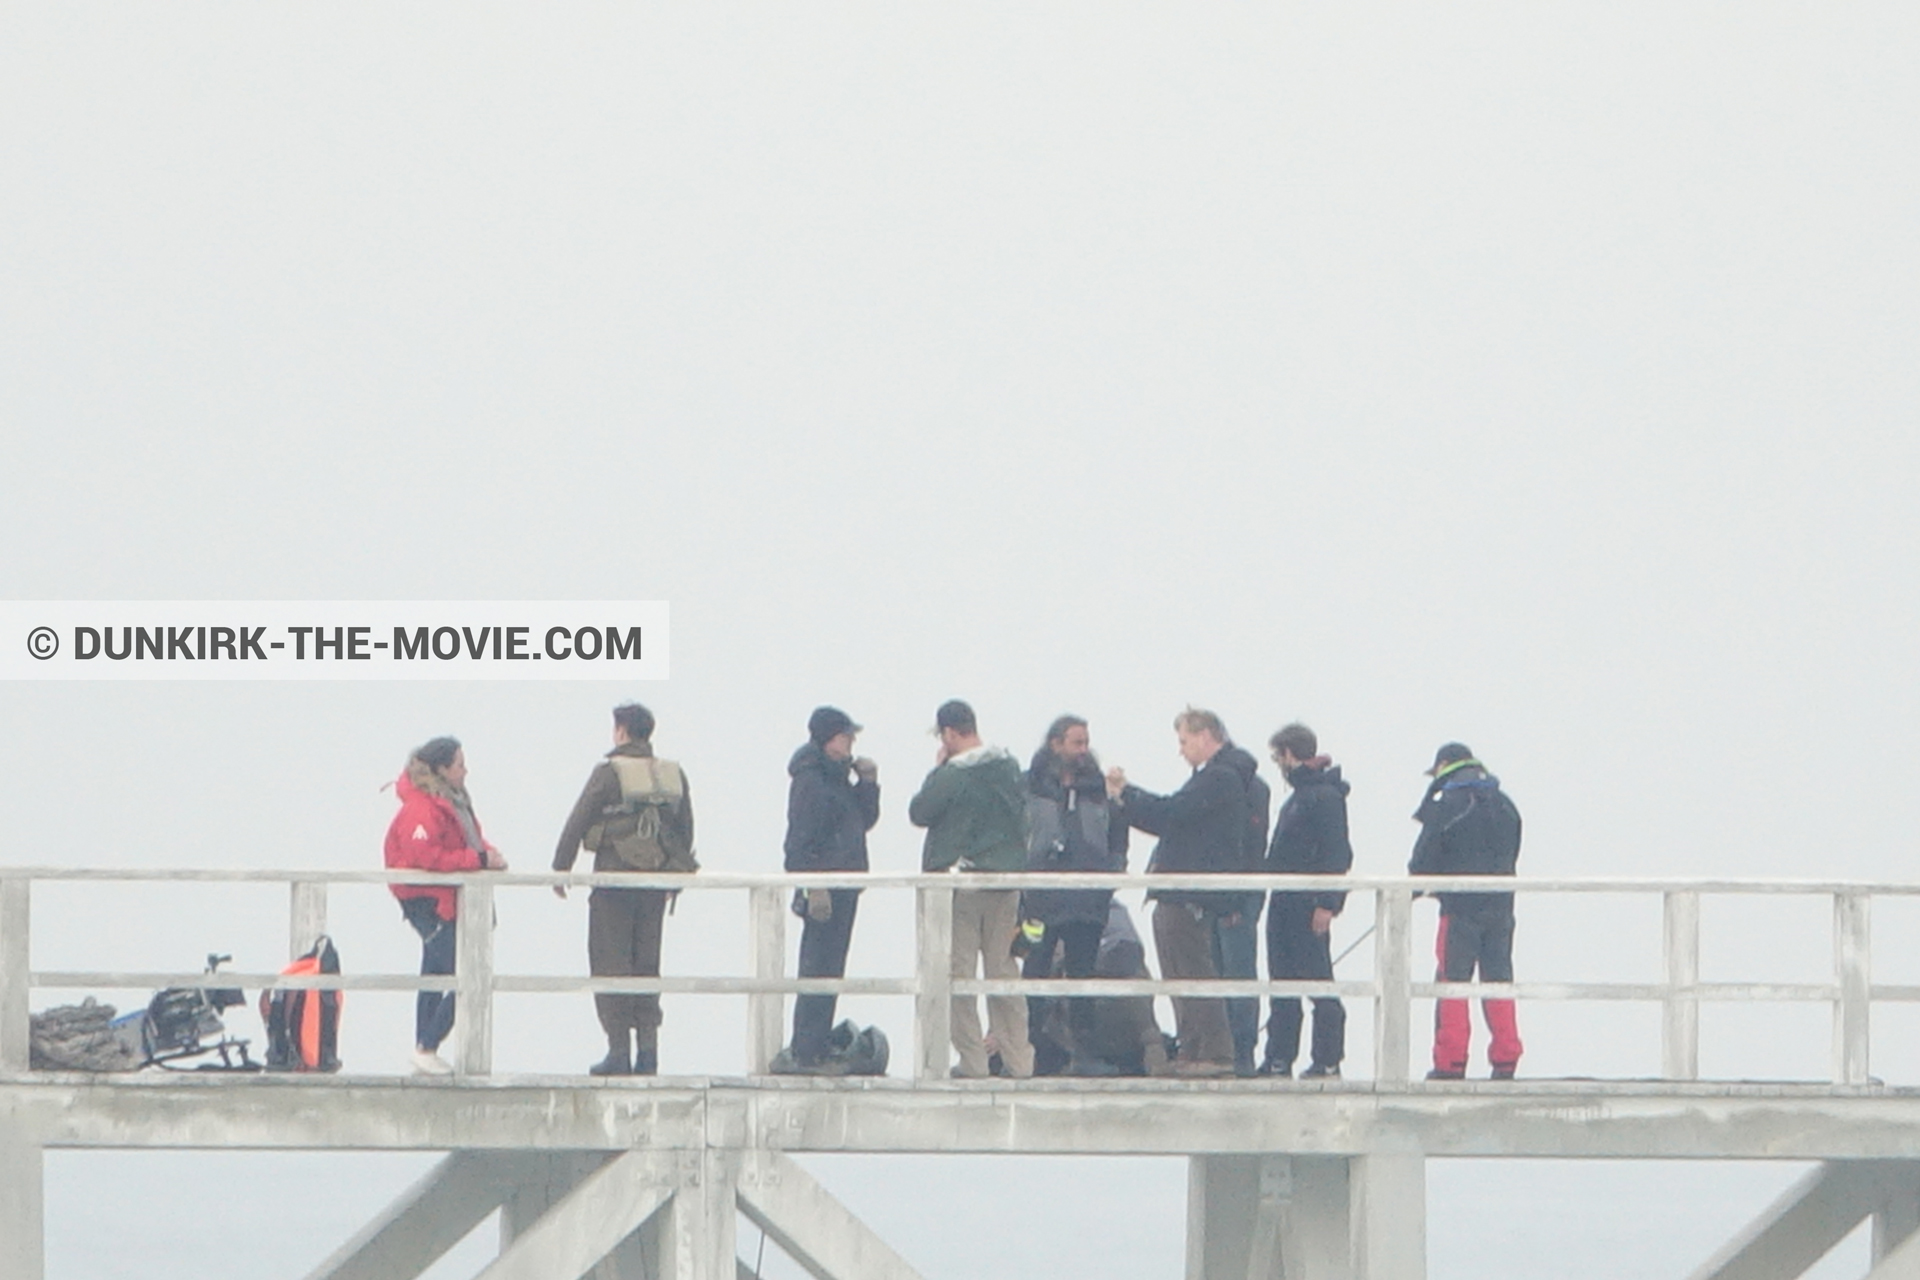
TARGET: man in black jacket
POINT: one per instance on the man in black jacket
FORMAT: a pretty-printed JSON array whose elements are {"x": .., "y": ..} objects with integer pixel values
[
  {"x": 1201, "y": 828},
  {"x": 1468, "y": 827},
  {"x": 832, "y": 802},
  {"x": 1309, "y": 838}
]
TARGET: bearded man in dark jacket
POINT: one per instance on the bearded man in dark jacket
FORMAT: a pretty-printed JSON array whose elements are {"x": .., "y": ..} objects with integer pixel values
[
  {"x": 1309, "y": 838},
  {"x": 1070, "y": 828},
  {"x": 1469, "y": 827},
  {"x": 832, "y": 802}
]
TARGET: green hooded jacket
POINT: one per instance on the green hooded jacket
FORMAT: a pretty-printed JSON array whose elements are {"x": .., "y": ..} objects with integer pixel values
[{"x": 974, "y": 808}]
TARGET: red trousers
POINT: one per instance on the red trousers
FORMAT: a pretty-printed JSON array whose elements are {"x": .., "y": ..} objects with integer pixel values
[{"x": 1476, "y": 938}]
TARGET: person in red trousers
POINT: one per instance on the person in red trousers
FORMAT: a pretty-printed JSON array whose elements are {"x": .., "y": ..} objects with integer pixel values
[{"x": 1469, "y": 827}]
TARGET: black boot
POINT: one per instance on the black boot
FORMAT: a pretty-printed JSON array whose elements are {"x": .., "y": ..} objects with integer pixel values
[
  {"x": 646, "y": 1062},
  {"x": 617, "y": 1062}
]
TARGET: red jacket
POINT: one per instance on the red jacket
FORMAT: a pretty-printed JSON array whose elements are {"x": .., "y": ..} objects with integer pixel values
[{"x": 426, "y": 835}]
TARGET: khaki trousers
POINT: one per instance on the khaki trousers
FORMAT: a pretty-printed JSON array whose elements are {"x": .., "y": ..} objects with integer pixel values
[
  {"x": 984, "y": 924},
  {"x": 1183, "y": 935}
]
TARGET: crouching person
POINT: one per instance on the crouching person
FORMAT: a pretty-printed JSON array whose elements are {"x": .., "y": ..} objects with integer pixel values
[
  {"x": 635, "y": 815},
  {"x": 1125, "y": 1038},
  {"x": 435, "y": 830}
]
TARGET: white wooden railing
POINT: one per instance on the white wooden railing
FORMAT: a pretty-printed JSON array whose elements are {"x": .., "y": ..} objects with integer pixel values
[{"x": 1392, "y": 989}]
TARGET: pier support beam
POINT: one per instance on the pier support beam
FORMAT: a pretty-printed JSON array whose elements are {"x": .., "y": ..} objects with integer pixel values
[
  {"x": 432, "y": 1216},
  {"x": 1389, "y": 1217},
  {"x": 1254, "y": 1217},
  {"x": 638, "y": 1257},
  {"x": 692, "y": 1237},
  {"x": 1229, "y": 1219},
  {"x": 590, "y": 1221},
  {"x": 1817, "y": 1212},
  {"x": 1316, "y": 1219},
  {"x": 22, "y": 1204},
  {"x": 810, "y": 1225},
  {"x": 1895, "y": 1220},
  {"x": 16, "y": 964},
  {"x": 544, "y": 1182},
  {"x": 1903, "y": 1263},
  {"x": 636, "y": 1215}
]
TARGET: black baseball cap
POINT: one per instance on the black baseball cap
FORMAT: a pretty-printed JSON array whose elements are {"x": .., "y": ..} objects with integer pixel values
[
  {"x": 1451, "y": 753},
  {"x": 829, "y": 722},
  {"x": 956, "y": 715}
]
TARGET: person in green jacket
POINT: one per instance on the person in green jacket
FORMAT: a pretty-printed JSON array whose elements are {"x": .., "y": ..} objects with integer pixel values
[{"x": 974, "y": 808}]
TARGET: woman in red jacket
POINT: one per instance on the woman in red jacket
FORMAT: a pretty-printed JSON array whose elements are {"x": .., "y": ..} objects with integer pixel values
[{"x": 435, "y": 830}]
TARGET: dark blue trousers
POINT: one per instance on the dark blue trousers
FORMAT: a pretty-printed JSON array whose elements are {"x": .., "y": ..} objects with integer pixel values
[
  {"x": 432, "y": 1010},
  {"x": 823, "y": 954}
]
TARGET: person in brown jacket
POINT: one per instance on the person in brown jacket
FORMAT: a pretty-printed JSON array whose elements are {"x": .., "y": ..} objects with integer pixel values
[{"x": 634, "y": 815}]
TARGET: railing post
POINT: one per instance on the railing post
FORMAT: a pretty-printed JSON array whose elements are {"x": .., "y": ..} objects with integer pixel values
[
  {"x": 1393, "y": 974},
  {"x": 767, "y": 919},
  {"x": 307, "y": 919},
  {"x": 1852, "y": 965},
  {"x": 1680, "y": 1027},
  {"x": 473, "y": 962},
  {"x": 16, "y": 963},
  {"x": 933, "y": 982}
]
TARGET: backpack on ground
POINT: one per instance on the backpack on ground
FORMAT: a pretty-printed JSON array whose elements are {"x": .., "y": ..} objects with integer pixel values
[
  {"x": 851, "y": 1051},
  {"x": 303, "y": 1024},
  {"x": 863, "y": 1051}
]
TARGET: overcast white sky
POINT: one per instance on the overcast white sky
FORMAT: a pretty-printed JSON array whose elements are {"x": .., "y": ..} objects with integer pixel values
[{"x": 1535, "y": 375}]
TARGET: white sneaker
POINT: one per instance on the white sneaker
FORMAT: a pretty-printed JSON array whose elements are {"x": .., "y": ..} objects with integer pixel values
[{"x": 428, "y": 1063}]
